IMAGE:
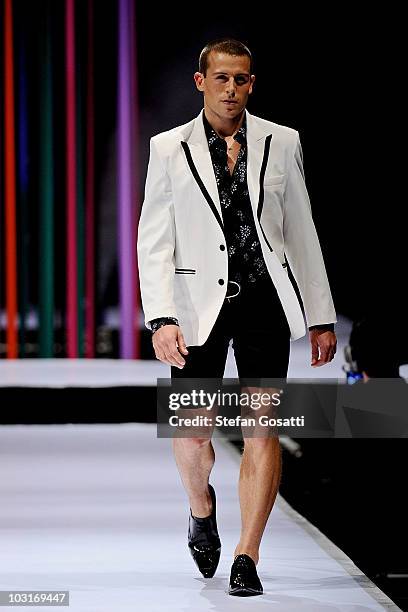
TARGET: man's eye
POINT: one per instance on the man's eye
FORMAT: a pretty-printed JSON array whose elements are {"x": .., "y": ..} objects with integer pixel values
[{"x": 240, "y": 81}]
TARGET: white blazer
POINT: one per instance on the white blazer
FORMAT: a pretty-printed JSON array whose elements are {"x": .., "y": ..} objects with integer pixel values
[{"x": 181, "y": 245}]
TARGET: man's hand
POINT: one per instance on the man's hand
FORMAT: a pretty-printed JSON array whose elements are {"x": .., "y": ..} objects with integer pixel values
[
  {"x": 327, "y": 343},
  {"x": 165, "y": 341}
]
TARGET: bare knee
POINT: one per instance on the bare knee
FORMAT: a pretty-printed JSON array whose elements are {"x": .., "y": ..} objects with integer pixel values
[
  {"x": 260, "y": 445},
  {"x": 192, "y": 444}
]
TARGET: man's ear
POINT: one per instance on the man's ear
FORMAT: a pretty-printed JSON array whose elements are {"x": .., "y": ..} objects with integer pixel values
[
  {"x": 199, "y": 78},
  {"x": 252, "y": 83}
]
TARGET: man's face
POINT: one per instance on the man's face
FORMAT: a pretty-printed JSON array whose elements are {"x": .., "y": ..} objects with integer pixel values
[{"x": 227, "y": 84}]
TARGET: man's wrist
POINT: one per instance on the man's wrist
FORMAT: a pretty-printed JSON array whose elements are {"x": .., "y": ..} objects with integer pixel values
[{"x": 161, "y": 321}]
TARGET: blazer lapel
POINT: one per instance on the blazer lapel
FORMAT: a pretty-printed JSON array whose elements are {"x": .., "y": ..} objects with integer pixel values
[
  {"x": 258, "y": 141},
  {"x": 197, "y": 145},
  {"x": 199, "y": 159}
]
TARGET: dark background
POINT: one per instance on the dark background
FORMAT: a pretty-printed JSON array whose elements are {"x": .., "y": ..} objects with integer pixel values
[{"x": 331, "y": 74}]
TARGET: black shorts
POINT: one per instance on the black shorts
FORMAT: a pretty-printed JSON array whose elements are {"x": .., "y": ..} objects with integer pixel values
[{"x": 256, "y": 323}]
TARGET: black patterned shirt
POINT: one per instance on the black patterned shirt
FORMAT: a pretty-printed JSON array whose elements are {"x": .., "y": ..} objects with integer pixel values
[{"x": 245, "y": 258}]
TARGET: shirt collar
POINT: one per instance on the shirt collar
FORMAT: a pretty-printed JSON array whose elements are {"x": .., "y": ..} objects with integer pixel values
[{"x": 216, "y": 141}]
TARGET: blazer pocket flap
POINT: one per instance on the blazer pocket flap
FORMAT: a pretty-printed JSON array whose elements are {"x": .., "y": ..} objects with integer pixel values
[
  {"x": 277, "y": 179},
  {"x": 185, "y": 271}
]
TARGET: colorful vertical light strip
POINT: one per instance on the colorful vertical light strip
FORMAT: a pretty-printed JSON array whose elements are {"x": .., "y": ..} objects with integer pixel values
[
  {"x": 126, "y": 246},
  {"x": 71, "y": 186},
  {"x": 90, "y": 196},
  {"x": 46, "y": 197},
  {"x": 135, "y": 161},
  {"x": 1, "y": 181},
  {"x": 80, "y": 252},
  {"x": 23, "y": 212},
  {"x": 10, "y": 186}
]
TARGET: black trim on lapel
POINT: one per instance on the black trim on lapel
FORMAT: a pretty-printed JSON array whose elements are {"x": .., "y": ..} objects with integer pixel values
[
  {"x": 200, "y": 183},
  {"x": 261, "y": 185}
]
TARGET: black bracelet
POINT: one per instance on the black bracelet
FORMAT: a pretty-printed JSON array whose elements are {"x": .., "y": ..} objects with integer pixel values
[
  {"x": 325, "y": 326},
  {"x": 158, "y": 323}
]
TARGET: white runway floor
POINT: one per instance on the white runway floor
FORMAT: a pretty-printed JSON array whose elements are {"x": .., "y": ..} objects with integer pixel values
[{"x": 99, "y": 510}]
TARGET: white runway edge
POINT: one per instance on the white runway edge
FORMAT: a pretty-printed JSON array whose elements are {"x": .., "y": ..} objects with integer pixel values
[
  {"x": 99, "y": 510},
  {"x": 60, "y": 373}
]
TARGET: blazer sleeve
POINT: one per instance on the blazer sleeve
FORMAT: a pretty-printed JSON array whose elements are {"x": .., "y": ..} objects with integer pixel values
[
  {"x": 156, "y": 242},
  {"x": 302, "y": 247}
]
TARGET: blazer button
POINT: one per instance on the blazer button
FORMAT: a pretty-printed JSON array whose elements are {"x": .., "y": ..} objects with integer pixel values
[
  {"x": 221, "y": 281},
  {"x": 222, "y": 247}
]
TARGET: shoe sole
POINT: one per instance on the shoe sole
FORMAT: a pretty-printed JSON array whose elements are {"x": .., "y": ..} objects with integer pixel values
[{"x": 240, "y": 592}]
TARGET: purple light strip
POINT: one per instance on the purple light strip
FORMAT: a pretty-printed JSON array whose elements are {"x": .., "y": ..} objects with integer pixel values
[
  {"x": 126, "y": 246},
  {"x": 135, "y": 159}
]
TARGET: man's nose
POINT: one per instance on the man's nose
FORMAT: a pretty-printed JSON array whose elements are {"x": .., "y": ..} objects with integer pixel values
[{"x": 231, "y": 87}]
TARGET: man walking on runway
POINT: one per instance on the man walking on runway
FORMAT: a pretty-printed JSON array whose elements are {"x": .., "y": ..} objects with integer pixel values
[{"x": 226, "y": 211}]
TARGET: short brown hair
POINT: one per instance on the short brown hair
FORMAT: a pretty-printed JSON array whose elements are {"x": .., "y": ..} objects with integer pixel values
[{"x": 230, "y": 46}]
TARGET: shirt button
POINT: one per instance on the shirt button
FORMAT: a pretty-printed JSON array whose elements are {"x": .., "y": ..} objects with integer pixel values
[
  {"x": 222, "y": 247},
  {"x": 221, "y": 281}
]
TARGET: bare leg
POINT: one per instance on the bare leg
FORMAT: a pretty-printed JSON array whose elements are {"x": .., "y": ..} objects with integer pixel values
[
  {"x": 195, "y": 459},
  {"x": 260, "y": 473}
]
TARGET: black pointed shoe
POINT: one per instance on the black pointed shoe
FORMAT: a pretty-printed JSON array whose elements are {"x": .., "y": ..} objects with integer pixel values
[
  {"x": 203, "y": 540},
  {"x": 244, "y": 580}
]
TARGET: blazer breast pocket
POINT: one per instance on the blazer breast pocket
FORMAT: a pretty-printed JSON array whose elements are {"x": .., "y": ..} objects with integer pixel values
[{"x": 271, "y": 180}]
